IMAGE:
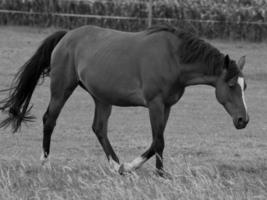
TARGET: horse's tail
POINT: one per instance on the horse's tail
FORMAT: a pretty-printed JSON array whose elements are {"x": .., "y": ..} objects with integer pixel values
[{"x": 24, "y": 82}]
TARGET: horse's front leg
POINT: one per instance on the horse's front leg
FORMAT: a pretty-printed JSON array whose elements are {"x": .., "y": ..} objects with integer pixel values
[
  {"x": 159, "y": 151},
  {"x": 158, "y": 113},
  {"x": 100, "y": 125}
]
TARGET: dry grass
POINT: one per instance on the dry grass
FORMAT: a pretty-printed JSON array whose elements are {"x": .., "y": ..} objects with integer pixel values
[
  {"x": 206, "y": 156},
  {"x": 27, "y": 180}
]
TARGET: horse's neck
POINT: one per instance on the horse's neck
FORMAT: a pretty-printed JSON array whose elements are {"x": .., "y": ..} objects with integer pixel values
[
  {"x": 202, "y": 80},
  {"x": 197, "y": 74}
]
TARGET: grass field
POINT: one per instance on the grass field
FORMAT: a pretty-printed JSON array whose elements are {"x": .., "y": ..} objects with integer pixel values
[{"x": 207, "y": 157}]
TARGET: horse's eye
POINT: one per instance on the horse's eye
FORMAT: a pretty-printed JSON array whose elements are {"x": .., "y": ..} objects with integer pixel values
[{"x": 231, "y": 84}]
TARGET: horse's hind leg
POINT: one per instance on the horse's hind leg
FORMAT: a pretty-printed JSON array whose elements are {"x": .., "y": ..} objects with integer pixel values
[
  {"x": 100, "y": 125},
  {"x": 62, "y": 85}
]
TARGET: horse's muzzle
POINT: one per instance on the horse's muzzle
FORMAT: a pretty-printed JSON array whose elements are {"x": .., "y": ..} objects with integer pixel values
[{"x": 241, "y": 122}]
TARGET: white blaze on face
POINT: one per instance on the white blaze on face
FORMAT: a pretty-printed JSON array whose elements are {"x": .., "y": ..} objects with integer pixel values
[{"x": 241, "y": 82}]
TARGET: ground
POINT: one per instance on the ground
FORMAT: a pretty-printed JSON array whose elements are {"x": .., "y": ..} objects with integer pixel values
[{"x": 206, "y": 156}]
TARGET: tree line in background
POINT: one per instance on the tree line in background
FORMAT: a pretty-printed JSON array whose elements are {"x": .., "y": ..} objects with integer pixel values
[{"x": 236, "y": 19}]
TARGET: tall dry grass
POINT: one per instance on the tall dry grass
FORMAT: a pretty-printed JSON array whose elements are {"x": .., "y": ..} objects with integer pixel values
[{"x": 21, "y": 179}]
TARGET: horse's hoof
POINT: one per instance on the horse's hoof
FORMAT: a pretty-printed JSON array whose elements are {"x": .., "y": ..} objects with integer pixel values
[
  {"x": 124, "y": 169},
  {"x": 121, "y": 169},
  {"x": 114, "y": 166},
  {"x": 45, "y": 162},
  {"x": 46, "y": 165}
]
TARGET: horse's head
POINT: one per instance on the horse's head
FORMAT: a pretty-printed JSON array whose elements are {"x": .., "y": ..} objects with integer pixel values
[{"x": 230, "y": 88}]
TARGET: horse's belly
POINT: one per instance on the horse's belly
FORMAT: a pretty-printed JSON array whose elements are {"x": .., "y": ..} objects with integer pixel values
[
  {"x": 119, "y": 97},
  {"x": 114, "y": 90}
]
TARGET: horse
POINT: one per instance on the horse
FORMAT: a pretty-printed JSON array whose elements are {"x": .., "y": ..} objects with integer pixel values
[{"x": 150, "y": 68}]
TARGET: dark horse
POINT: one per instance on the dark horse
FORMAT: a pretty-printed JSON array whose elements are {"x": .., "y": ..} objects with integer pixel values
[{"x": 151, "y": 68}]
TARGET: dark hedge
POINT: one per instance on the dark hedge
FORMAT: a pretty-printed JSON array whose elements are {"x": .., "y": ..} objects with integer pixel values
[{"x": 236, "y": 19}]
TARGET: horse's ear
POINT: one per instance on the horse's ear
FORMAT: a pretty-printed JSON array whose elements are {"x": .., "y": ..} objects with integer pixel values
[
  {"x": 241, "y": 63},
  {"x": 226, "y": 62}
]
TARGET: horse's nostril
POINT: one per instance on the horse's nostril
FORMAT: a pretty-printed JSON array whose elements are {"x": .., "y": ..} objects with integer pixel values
[{"x": 240, "y": 120}]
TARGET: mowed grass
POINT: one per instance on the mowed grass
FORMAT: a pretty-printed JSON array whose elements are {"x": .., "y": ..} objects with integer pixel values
[{"x": 206, "y": 156}]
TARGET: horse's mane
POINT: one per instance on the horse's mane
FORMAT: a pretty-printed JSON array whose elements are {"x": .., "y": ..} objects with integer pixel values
[{"x": 193, "y": 49}]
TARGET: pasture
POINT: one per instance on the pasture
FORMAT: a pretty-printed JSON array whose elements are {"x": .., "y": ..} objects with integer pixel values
[{"x": 206, "y": 156}]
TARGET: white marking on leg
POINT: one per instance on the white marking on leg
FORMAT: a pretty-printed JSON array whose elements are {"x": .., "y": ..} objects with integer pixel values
[
  {"x": 113, "y": 164},
  {"x": 44, "y": 159},
  {"x": 136, "y": 163},
  {"x": 241, "y": 82},
  {"x": 45, "y": 162}
]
